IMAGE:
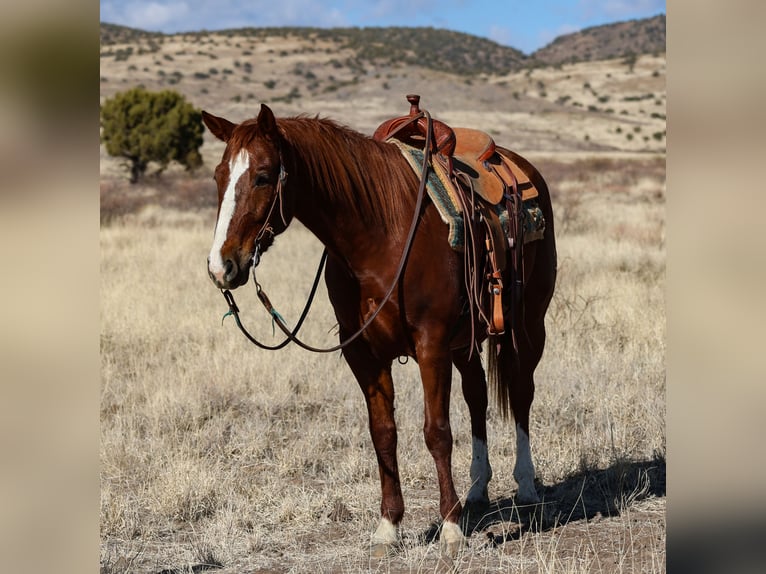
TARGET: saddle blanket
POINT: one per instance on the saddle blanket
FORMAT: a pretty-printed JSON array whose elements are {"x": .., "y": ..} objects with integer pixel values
[{"x": 442, "y": 194}]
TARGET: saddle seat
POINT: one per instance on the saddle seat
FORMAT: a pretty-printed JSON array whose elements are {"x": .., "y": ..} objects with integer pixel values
[{"x": 476, "y": 155}]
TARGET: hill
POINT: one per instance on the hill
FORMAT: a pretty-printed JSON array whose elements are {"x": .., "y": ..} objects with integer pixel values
[
  {"x": 346, "y": 74},
  {"x": 439, "y": 49},
  {"x": 622, "y": 39},
  {"x": 432, "y": 48},
  {"x": 111, "y": 34}
]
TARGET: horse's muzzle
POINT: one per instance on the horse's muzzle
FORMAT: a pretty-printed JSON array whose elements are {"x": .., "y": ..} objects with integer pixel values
[{"x": 230, "y": 277}]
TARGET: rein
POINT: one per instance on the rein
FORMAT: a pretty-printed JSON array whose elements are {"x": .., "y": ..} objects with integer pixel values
[{"x": 292, "y": 335}]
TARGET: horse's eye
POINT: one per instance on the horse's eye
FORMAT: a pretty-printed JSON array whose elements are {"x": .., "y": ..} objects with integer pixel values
[{"x": 261, "y": 179}]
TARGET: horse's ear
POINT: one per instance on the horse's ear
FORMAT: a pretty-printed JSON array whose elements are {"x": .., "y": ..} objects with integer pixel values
[
  {"x": 219, "y": 127},
  {"x": 267, "y": 123}
]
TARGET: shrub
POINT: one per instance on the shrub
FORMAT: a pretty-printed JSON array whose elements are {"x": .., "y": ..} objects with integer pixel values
[{"x": 143, "y": 126}]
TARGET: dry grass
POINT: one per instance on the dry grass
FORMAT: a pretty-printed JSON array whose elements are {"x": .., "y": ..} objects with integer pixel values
[{"x": 217, "y": 455}]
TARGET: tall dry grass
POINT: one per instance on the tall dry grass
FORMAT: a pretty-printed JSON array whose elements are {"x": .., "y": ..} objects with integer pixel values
[{"x": 215, "y": 453}]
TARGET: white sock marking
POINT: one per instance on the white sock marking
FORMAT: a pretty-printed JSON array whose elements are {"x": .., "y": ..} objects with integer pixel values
[
  {"x": 386, "y": 533},
  {"x": 481, "y": 472},
  {"x": 524, "y": 471},
  {"x": 237, "y": 167}
]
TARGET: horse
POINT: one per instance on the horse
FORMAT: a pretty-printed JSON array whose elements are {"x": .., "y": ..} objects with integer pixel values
[{"x": 357, "y": 196}]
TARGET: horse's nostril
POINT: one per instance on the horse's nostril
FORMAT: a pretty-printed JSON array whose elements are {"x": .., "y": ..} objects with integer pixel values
[{"x": 229, "y": 269}]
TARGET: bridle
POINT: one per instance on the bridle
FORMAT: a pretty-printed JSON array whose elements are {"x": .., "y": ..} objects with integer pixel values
[{"x": 292, "y": 335}]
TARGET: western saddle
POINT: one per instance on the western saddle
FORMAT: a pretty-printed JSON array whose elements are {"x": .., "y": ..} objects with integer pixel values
[{"x": 487, "y": 183}]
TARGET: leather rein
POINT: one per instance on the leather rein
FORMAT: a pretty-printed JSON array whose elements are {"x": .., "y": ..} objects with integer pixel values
[{"x": 292, "y": 335}]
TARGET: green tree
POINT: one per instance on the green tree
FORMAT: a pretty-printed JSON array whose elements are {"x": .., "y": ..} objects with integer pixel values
[{"x": 143, "y": 126}]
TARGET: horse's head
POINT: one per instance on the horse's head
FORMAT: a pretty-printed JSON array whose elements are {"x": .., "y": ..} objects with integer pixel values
[{"x": 251, "y": 206}]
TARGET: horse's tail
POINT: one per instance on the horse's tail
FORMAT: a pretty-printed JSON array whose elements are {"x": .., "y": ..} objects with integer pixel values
[{"x": 502, "y": 368}]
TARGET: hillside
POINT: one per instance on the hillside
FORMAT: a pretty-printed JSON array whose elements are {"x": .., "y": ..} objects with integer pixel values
[
  {"x": 115, "y": 34},
  {"x": 615, "y": 105},
  {"x": 432, "y": 48},
  {"x": 439, "y": 49},
  {"x": 623, "y": 39}
]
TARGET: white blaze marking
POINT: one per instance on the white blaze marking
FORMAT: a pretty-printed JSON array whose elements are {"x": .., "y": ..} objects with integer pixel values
[
  {"x": 237, "y": 167},
  {"x": 524, "y": 471}
]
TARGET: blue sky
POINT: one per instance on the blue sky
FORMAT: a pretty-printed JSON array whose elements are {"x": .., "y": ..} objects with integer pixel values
[{"x": 526, "y": 25}]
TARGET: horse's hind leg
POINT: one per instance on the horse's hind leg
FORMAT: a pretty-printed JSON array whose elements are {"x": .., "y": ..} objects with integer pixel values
[
  {"x": 474, "y": 385},
  {"x": 374, "y": 378},
  {"x": 522, "y": 392},
  {"x": 538, "y": 291}
]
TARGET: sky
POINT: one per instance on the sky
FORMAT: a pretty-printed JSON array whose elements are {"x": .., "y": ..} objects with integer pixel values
[{"x": 526, "y": 26}]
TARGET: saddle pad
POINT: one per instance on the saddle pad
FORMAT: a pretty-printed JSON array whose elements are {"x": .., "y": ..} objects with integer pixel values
[
  {"x": 475, "y": 155},
  {"x": 440, "y": 191},
  {"x": 442, "y": 195}
]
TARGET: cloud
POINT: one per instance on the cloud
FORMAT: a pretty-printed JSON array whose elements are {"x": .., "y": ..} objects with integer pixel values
[
  {"x": 152, "y": 15},
  {"x": 155, "y": 15},
  {"x": 188, "y": 15}
]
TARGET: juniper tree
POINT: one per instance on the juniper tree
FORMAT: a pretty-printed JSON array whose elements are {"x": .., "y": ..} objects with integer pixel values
[{"x": 143, "y": 126}]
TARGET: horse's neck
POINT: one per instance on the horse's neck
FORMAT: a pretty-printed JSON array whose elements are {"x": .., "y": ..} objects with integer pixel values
[
  {"x": 331, "y": 218},
  {"x": 338, "y": 228}
]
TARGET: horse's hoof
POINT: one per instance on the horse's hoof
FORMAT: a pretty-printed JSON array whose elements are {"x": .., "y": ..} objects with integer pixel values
[
  {"x": 385, "y": 541},
  {"x": 381, "y": 550},
  {"x": 474, "y": 510},
  {"x": 476, "y": 504},
  {"x": 452, "y": 540},
  {"x": 452, "y": 549},
  {"x": 527, "y": 494}
]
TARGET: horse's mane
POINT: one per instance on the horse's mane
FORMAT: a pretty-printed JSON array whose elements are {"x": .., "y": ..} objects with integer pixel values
[{"x": 368, "y": 177}]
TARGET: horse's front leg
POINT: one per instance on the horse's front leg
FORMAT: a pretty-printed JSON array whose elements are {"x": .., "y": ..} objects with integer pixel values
[
  {"x": 374, "y": 378},
  {"x": 436, "y": 374}
]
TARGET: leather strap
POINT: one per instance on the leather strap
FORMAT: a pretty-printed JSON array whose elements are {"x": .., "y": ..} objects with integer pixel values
[{"x": 496, "y": 325}]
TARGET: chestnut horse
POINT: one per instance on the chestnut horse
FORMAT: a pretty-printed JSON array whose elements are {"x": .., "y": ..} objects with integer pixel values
[{"x": 358, "y": 196}]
